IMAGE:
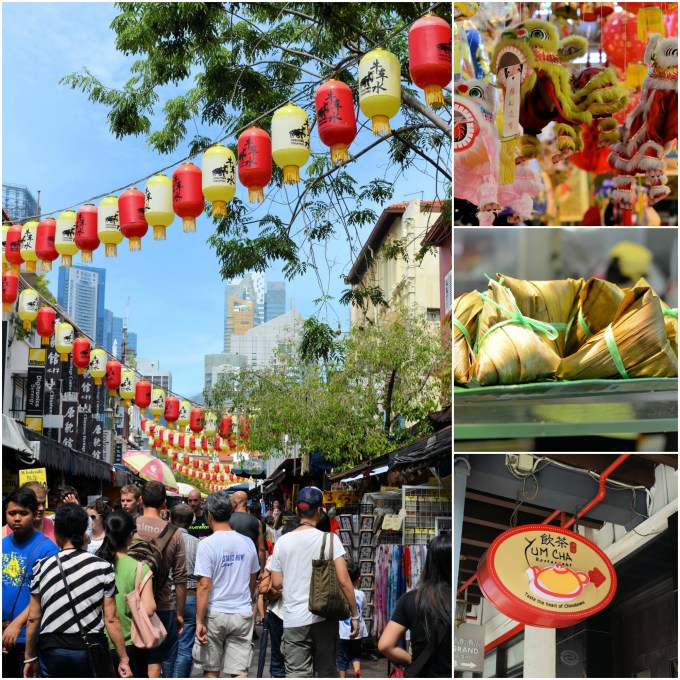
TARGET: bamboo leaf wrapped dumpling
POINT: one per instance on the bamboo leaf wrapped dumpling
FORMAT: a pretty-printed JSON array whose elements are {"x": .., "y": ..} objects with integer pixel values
[
  {"x": 466, "y": 310},
  {"x": 510, "y": 350}
]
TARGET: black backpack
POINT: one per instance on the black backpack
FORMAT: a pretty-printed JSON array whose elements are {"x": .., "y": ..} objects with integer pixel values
[{"x": 151, "y": 552}]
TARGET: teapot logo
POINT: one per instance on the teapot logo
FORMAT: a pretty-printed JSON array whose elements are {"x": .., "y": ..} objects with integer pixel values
[{"x": 557, "y": 583}]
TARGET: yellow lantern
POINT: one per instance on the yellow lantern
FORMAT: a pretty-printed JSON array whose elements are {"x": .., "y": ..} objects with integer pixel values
[
  {"x": 28, "y": 306},
  {"x": 98, "y": 364},
  {"x": 210, "y": 427},
  {"x": 379, "y": 88},
  {"x": 290, "y": 141},
  {"x": 175, "y": 439},
  {"x": 128, "y": 382},
  {"x": 218, "y": 168},
  {"x": 157, "y": 407},
  {"x": 64, "y": 336},
  {"x": 166, "y": 437},
  {"x": 28, "y": 236},
  {"x": 65, "y": 237},
  {"x": 5, "y": 229},
  {"x": 159, "y": 213},
  {"x": 108, "y": 225}
]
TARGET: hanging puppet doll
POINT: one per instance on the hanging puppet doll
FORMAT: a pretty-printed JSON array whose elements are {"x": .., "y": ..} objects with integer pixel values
[
  {"x": 649, "y": 130},
  {"x": 539, "y": 89}
]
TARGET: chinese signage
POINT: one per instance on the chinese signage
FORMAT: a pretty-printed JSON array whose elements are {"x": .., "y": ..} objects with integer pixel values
[
  {"x": 33, "y": 475},
  {"x": 468, "y": 648},
  {"x": 546, "y": 576}
]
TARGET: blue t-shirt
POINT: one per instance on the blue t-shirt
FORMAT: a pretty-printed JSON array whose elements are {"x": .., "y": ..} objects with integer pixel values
[{"x": 15, "y": 563}]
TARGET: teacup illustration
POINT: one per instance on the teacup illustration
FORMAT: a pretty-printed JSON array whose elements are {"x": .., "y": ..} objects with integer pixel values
[{"x": 557, "y": 583}]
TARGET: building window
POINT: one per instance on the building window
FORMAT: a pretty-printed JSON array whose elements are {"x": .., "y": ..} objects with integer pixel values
[
  {"x": 506, "y": 660},
  {"x": 433, "y": 314}
]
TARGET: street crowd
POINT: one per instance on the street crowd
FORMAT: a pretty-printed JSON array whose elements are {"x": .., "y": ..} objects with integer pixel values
[{"x": 136, "y": 590}]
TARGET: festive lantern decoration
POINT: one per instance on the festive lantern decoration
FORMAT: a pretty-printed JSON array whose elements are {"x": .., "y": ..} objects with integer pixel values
[
  {"x": 44, "y": 324},
  {"x": 429, "y": 57},
  {"x": 620, "y": 42},
  {"x": 592, "y": 11},
  {"x": 171, "y": 410},
  {"x": 28, "y": 306},
  {"x": 195, "y": 463},
  {"x": 65, "y": 237},
  {"x": 98, "y": 365},
  {"x": 166, "y": 437},
  {"x": 142, "y": 395},
  {"x": 63, "y": 339},
  {"x": 335, "y": 118},
  {"x": 186, "y": 459},
  {"x": 205, "y": 444},
  {"x": 650, "y": 17},
  {"x": 128, "y": 388},
  {"x": 112, "y": 376},
  {"x": 29, "y": 234},
  {"x": 225, "y": 425},
  {"x": 159, "y": 205},
  {"x": 109, "y": 225},
  {"x": 196, "y": 420},
  {"x": 254, "y": 162},
  {"x": 131, "y": 215},
  {"x": 81, "y": 354},
  {"x": 210, "y": 426},
  {"x": 44, "y": 243},
  {"x": 5, "y": 229},
  {"x": 206, "y": 466},
  {"x": 13, "y": 248},
  {"x": 379, "y": 88},
  {"x": 187, "y": 195},
  {"x": 219, "y": 178},
  {"x": 290, "y": 141},
  {"x": 157, "y": 407},
  {"x": 86, "y": 231}
]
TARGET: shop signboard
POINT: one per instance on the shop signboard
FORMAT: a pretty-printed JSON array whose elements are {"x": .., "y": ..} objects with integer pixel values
[
  {"x": 84, "y": 437},
  {"x": 33, "y": 475},
  {"x": 35, "y": 382},
  {"x": 69, "y": 411},
  {"x": 468, "y": 648},
  {"x": 546, "y": 576},
  {"x": 97, "y": 438}
]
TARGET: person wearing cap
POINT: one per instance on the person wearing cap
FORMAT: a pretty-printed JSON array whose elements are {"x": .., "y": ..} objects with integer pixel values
[{"x": 309, "y": 642}]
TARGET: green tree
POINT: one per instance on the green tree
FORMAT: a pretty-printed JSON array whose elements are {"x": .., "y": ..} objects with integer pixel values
[
  {"x": 232, "y": 64},
  {"x": 371, "y": 390}
]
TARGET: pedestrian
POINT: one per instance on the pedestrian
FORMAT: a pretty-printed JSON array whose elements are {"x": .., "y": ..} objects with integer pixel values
[
  {"x": 182, "y": 516},
  {"x": 72, "y": 591},
  {"x": 169, "y": 607},
  {"x": 199, "y": 526},
  {"x": 120, "y": 527},
  {"x": 129, "y": 499},
  {"x": 350, "y": 649},
  {"x": 41, "y": 523},
  {"x": 66, "y": 494},
  {"x": 97, "y": 513},
  {"x": 426, "y": 612},
  {"x": 247, "y": 525},
  {"x": 309, "y": 643},
  {"x": 227, "y": 569},
  {"x": 21, "y": 549}
]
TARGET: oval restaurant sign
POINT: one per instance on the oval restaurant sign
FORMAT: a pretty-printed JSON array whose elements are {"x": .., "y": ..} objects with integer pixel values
[{"x": 546, "y": 576}]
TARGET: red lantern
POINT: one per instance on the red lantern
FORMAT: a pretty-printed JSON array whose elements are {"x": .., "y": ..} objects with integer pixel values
[
  {"x": 44, "y": 243},
  {"x": 13, "y": 248},
  {"x": 112, "y": 377},
  {"x": 216, "y": 467},
  {"x": 142, "y": 394},
  {"x": 87, "y": 237},
  {"x": 192, "y": 444},
  {"x": 429, "y": 57},
  {"x": 206, "y": 466},
  {"x": 222, "y": 477},
  {"x": 187, "y": 194},
  {"x": 81, "y": 354},
  {"x": 620, "y": 42},
  {"x": 10, "y": 290},
  {"x": 171, "y": 410},
  {"x": 204, "y": 444},
  {"x": 175, "y": 456},
  {"x": 592, "y": 11},
  {"x": 335, "y": 117},
  {"x": 213, "y": 477},
  {"x": 225, "y": 426},
  {"x": 196, "y": 420},
  {"x": 255, "y": 162},
  {"x": 133, "y": 224},
  {"x": 231, "y": 478},
  {"x": 227, "y": 468},
  {"x": 181, "y": 442},
  {"x": 186, "y": 459},
  {"x": 44, "y": 324},
  {"x": 195, "y": 463}
]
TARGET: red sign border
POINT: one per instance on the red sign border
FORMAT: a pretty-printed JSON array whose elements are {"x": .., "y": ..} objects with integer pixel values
[{"x": 509, "y": 604}]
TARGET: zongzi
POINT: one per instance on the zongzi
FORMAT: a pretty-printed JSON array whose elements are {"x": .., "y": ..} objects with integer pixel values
[{"x": 466, "y": 310}]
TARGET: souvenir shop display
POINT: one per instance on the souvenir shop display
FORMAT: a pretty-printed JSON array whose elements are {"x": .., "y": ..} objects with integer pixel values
[{"x": 559, "y": 116}]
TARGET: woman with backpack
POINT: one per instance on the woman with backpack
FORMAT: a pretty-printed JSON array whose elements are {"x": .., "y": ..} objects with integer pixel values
[{"x": 120, "y": 526}]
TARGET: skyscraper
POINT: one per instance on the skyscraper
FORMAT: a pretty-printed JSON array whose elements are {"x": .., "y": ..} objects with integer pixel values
[
  {"x": 242, "y": 299},
  {"x": 81, "y": 294},
  {"x": 274, "y": 300},
  {"x": 18, "y": 201}
]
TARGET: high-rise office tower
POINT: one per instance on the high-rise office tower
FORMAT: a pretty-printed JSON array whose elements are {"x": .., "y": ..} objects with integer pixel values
[
  {"x": 243, "y": 306},
  {"x": 274, "y": 300},
  {"x": 81, "y": 294}
]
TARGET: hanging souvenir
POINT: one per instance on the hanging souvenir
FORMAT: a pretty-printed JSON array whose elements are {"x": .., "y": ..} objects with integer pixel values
[
  {"x": 28, "y": 306},
  {"x": 86, "y": 237},
  {"x": 254, "y": 162},
  {"x": 108, "y": 226},
  {"x": 44, "y": 243},
  {"x": 335, "y": 118},
  {"x": 187, "y": 195},
  {"x": 290, "y": 141},
  {"x": 131, "y": 215},
  {"x": 29, "y": 234},
  {"x": 219, "y": 178},
  {"x": 158, "y": 206},
  {"x": 380, "y": 88}
]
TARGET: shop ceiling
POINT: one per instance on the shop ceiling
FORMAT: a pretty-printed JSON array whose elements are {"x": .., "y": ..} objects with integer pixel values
[{"x": 493, "y": 491}]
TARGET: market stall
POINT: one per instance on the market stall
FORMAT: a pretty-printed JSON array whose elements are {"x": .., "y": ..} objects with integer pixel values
[{"x": 565, "y": 113}]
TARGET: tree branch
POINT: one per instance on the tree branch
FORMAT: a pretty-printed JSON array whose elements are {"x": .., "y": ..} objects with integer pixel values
[
  {"x": 415, "y": 149},
  {"x": 423, "y": 110}
]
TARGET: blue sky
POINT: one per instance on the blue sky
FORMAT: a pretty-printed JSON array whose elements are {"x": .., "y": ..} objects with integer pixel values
[{"x": 56, "y": 141}]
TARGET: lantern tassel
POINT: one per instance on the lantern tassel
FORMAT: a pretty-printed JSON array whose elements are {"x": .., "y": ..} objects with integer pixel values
[
  {"x": 381, "y": 125},
  {"x": 63, "y": 357},
  {"x": 7, "y": 307},
  {"x": 66, "y": 260},
  {"x": 507, "y": 169},
  {"x": 135, "y": 243},
  {"x": 44, "y": 341},
  {"x": 189, "y": 223},
  {"x": 291, "y": 174},
  {"x": 5, "y": 267},
  {"x": 110, "y": 250},
  {"x": 339, "y": 153},
  {"x": 27, "y": 325},
  {"x": 649, "y": 20},
  {"x": 16, "y": 268},
  {"x": 30, "y": 266},
  {"x": 635, "y": 75},
  {"x": 219, "y": 209},
  {"x": 46, "y": 266},
  {"x": 159, "y": 232},
  {"x": 434, "y": 97},
  {"x": 255, "y": 194},
  {"x": 86, "y": 256}
]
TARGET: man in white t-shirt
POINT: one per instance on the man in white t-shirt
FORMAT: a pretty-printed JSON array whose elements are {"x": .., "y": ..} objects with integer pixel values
[
  {"x": 226, "y": 568},
  {"x": 309, "y": 644}
]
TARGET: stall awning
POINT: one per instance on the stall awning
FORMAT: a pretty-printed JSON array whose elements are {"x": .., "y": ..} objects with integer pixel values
[
  {"x": 272, "y": 482},
  {"x": 13, "y": 435},
  {"x": 359, "y": 470},
  {"x": 424, "y": 452}
]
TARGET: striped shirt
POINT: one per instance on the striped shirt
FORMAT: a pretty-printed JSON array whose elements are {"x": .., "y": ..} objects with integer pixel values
[
  {"x": 90, "y": 579},
  {"x": 190, "y": 546}
]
